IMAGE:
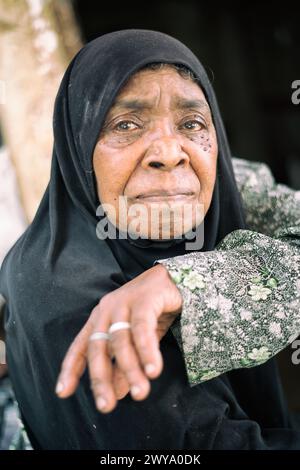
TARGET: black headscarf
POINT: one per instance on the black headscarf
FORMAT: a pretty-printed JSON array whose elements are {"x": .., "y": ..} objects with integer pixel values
[{"x": 59, "y": 269}]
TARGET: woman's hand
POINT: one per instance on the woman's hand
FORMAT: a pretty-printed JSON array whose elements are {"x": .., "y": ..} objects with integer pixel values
[{"x": 150, "y": 303}]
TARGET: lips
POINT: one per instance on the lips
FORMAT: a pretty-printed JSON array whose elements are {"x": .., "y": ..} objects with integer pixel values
[{"x": 165, "y": 195}]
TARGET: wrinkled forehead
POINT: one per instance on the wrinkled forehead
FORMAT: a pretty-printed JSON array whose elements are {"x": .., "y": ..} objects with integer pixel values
[{"x": 160, "y": 83}]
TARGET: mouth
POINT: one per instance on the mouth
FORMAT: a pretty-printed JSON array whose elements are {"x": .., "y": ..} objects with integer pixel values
[{"x": 163, "y": 195}]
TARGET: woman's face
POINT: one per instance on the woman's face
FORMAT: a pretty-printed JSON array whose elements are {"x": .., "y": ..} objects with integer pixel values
[{"x": 155, "y": 160}]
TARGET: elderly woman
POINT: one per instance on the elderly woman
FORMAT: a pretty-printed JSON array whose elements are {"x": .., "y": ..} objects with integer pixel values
[{"x": 138, "y": 130}]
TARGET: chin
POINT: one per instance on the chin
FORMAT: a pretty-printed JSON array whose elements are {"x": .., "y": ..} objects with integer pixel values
[
  {"x": 160, "y": 221},
  {"x": 167, "y": 230}
]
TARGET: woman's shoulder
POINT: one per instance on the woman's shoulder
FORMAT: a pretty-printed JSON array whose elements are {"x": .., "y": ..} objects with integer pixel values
[{"x": 253, "y": 175}]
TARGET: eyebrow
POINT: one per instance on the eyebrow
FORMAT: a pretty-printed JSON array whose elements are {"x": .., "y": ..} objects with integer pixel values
[
  {"x": 178, "y": 102},
  {"x": 184, "y": 103}
]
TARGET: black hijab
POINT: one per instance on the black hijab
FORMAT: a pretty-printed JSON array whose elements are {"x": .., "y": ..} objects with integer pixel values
[{"x": 58, "y": 270}]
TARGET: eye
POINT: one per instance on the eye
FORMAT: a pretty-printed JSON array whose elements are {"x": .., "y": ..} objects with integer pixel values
[
  {"x": 126, "y": 126},
  {"x": 192, "y": 125}
]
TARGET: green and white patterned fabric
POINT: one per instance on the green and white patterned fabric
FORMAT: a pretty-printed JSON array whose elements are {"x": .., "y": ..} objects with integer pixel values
[{"x": 12, "y": 432}]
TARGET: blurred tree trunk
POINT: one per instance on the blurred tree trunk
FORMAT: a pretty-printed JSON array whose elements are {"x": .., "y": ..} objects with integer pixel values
[{"x": 37, "y": 40}]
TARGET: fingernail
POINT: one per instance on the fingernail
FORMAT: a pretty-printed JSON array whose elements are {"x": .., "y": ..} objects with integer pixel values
[
  {"x": 59, "y": 387},
  {"x": 150, "y": 368},
  {"x": 135, "y": 390},
  {"x": 101, "y": 403}
]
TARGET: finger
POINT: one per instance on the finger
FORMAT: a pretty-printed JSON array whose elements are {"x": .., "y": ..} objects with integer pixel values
[
  {"x": 120, "y": 383},
  {"x": 146, "y": 340},
  {"x": 100, "y": 366},
  {"x": 111, "y": 352},
  {"x": 128, "y": 362},
  {"x": 74, "y": 363}
]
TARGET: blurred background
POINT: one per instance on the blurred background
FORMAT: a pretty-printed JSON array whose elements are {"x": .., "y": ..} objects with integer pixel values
[{"x": 249, "y": 49}]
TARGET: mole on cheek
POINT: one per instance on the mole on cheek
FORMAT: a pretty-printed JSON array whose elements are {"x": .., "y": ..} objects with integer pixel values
[{"x": 203, "y": 139}]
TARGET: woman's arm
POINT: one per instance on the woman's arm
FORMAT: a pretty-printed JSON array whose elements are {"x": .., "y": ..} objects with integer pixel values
[{"x": 241, "y": 302}]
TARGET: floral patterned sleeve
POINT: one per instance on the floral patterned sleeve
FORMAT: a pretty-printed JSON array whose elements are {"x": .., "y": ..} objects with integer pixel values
[{"x": 241, "y": 301}]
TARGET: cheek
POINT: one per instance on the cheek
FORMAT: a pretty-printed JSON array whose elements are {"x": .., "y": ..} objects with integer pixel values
[
  {"x": 204, "y": 140},
  {"x": 204, "y": 153},
  {"x": 113, "y": 167}
]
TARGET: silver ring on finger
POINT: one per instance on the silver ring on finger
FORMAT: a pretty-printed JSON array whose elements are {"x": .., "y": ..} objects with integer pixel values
[
  {"x": 119, "y": 325},
  {"x": 99, "y": 335}
]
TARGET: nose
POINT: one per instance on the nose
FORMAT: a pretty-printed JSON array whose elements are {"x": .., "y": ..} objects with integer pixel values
[{"x": 165, "y": 154}]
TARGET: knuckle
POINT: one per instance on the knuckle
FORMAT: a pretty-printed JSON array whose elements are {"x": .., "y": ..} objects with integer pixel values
[
  {"x": 144, "y": 340},
  {"x": 103, "y": 306},
  {"x": 139, "y": 326},
  {"x": 129, "y": 364},
  {"x": 97, "y": 385},
  {"x": 72, "y": 354},
  {"x": 118, "y": 315},
  {"x": 119, "y": 340},
  {"x": 143, "y": 346},
  {"x": 143, "y": 323},
  {"x": 95, "y": 354},
  {"x": 104, "y": 302},
  {"x": 126, "y": 357},
  {"x": 68, "y": 361}
]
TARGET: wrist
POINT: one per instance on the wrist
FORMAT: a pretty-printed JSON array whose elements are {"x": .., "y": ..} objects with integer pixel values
[{"x": 173, "y": 292}]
